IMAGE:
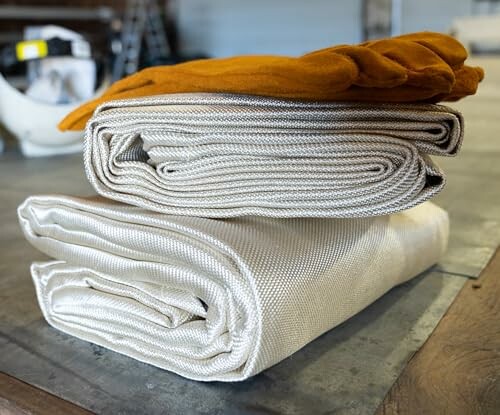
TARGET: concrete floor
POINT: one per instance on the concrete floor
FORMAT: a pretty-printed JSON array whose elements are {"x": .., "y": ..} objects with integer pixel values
[
  {"x": 346, "y": 371},
  {"x": 472, "y": 194}
]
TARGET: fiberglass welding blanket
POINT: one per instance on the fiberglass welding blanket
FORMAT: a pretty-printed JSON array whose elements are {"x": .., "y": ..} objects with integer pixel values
[
  {"x": 215, "y": 155},
  {"x": 214, "y": 299}
]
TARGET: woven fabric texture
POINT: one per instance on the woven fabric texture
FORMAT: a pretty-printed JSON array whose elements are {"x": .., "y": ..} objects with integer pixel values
[
  {"x": 219, "y": 155},
  {"x": 414, "y": 67},
  {"x": 214, "y": 299}
]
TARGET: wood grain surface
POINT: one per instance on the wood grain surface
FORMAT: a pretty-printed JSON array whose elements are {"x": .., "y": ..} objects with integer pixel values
[
  {"x": 19, "y": 398},
  {"x": 457, "y": 371}
]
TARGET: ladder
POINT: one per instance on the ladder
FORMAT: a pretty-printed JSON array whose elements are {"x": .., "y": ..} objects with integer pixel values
[{"x": 142, "y": 21}]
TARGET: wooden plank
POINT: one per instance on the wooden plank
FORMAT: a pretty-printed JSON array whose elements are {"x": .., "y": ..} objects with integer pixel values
[
  {"x": 457, "y": 371},
  {"x": 19, "y": 398}
]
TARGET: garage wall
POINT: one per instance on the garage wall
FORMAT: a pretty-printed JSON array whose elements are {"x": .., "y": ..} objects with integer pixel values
[
  {"x": 291, "y": 27},
  {"x": 435, "y": 15}
]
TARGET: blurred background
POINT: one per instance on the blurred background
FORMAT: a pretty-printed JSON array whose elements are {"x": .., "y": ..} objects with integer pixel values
[{"x": 91, "y": 43}]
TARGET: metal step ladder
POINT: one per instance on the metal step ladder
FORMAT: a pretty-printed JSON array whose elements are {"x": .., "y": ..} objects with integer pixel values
[{"x": 142, "y": 21}]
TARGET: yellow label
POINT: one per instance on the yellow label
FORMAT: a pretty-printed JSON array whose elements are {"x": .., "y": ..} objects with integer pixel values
[{"x": 31, "y": 49}]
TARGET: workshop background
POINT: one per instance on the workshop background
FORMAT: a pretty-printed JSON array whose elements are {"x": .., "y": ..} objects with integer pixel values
[{"x": 125, "y": 36}]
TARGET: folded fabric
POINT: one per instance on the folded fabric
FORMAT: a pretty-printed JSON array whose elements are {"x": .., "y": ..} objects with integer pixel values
[
  {"x": 217, "y": 155},
  {"x": 216, "y": 299},
  {"x": 422, "y": 66}
]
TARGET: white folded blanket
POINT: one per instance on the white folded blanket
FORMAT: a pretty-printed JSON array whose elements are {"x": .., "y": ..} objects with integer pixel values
[
  {"x": 216, "y": 299},
  {"x": 219, "y": 155}
]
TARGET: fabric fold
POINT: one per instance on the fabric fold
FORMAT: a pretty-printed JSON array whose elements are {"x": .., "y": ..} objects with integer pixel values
[
  {"x": 216, "y": 299},
  {"x": 225, "y": 155}
]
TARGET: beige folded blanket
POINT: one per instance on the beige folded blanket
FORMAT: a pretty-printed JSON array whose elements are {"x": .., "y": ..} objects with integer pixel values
[
  {"x": 215, "y": 155},
  {"x": 216, "y": 299}
]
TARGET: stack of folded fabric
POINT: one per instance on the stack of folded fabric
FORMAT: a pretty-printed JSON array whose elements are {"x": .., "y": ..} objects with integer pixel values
[{"x": 256, "y": 202}]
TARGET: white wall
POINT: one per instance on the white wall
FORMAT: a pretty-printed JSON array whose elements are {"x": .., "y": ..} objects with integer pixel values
[
  {"x": 435, "y": 15},
  {"x": 293, "y": 27},
  {"x": 288, "y": 27}
]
